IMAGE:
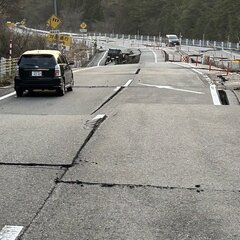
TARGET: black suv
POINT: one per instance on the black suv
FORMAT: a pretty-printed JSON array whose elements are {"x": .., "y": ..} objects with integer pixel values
[
  {"x": 172, "y": 40},
  {"x": 43, "y": 69},
  {"x": 114, "y": 55}
]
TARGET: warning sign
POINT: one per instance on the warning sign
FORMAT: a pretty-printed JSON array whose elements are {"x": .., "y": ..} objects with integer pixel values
[
  {"x": 83, "y": 25},
  {"x": 64, "y": 39},
  {"x": 54, "y": 21}
]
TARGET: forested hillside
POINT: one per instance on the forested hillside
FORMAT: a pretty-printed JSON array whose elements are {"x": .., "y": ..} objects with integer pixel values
[{"x": 215, "y": 19}]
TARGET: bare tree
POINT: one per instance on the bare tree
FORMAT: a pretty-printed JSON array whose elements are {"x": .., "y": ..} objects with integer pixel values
[{"x": 3, "y": 6}]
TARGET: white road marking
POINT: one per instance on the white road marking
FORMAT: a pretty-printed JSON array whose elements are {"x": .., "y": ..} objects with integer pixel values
[
  {"x": 117, "y": 89},
  {"x": 204, "y": 75},
  {"x": 102, "y": 58},
  {"x": 10, "y": 232},
  {"x": 215, "y": 95},
  {"x": 98, "y": 117},
  {"x": 128, "y": 83},
  {"x": 125, "y": 85},
  {"x": 7, "y": 96},
  {"x": 213, "y": 88},
  {"x": 155, "y": 56},
  {"x": 84, "y": 69},
  {"x": 172, "y": 88}
]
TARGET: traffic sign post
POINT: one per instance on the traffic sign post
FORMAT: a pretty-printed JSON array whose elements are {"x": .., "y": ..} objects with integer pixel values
[
  {"x": 83, "y": 27},
  {"x": 64, "y": 39},
  {"x": 54, "y": 22}
]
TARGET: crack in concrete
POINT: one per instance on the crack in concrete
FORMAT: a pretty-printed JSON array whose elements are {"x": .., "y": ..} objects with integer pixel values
[
  {"x": 109, "y": 99},
  {"x": 196, "y": 188},
  {"x": 59, "y": 179},
  {"x": 138, "y": 71},
  {"x": 36, "y": 165},
  {"x": 119, "y": 89}
]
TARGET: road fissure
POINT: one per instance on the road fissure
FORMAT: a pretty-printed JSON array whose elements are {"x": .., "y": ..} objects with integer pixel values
[
  {"x": 95, "y": 123},
  {"x": 196, "y": 188}
]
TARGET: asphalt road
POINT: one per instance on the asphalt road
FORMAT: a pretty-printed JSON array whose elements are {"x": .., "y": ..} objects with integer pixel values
[{"x": 160, "y": 162}]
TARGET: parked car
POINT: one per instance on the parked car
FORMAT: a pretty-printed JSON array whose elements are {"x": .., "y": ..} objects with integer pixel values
[
  {"x": 43, "y": 69},
  {"x": 114, "y": 55},
  {"x": 172, "y": 40}
]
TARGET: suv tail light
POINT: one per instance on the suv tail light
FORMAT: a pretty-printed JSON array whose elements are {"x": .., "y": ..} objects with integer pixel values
[
  {"x": 17, "y": 71},
  {"x": 57, "y": 71}
]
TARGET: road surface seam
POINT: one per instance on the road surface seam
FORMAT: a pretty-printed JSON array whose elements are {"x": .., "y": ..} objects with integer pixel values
[{"x": 43, "y": 165}]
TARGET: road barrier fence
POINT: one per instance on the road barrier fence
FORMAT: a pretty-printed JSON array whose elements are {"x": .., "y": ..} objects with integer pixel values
[
  {"x": 7, "y": 69},
  {"x": 161, "y": 40}
]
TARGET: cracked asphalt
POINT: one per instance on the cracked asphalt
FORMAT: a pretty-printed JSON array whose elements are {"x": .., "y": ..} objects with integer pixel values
[{"x": 157, "y": 163}]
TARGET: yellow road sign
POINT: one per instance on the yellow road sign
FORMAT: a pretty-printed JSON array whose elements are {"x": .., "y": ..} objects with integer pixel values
[
  {"x": 53, "y": 21},
  {"x": 64, "y": 39},
  {"x": 83, "y": 25},
  {"x": 51, "y": 37}
]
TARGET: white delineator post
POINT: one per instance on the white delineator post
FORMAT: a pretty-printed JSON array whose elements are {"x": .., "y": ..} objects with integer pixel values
[{"x": 10, "y": 49}]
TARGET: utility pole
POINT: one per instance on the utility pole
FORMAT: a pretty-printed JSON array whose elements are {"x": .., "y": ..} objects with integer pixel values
[
  {"x": 56, "y": 13},
  {"x": 55, "y": 8}
]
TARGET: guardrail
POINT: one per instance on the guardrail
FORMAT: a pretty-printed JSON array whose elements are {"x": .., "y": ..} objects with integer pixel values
[
  {"x": 160, "y": 40},
  {"x": 7, "y": 69}
]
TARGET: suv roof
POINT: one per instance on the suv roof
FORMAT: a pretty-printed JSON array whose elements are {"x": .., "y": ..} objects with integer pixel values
[
  {"x": 55, "y": 53},
  {"x": 172, "y": 36}
]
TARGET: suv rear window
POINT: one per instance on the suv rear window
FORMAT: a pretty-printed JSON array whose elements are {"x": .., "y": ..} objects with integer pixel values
[
  {"x": 114, "y": 51},
  {"x": 42, "y": 61}
]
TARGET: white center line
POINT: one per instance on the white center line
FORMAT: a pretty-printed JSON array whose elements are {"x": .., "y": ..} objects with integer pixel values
[
  {"x": 128, "y": 83},
  {"x": 172, "y": 88},
  {"x": 155, "y": 56},
  {"x": 7, "y": 96},
  {"x": 117, "y": 89},
  {"x": 99, "y": 117},
  {"x": 123, "y": 86},
  {"x": 10, "y": 232}
]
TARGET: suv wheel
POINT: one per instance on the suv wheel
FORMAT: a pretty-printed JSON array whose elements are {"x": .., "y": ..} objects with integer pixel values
[
  {"x": 19, "y": 92},
  {"x": 61, "y": 91},
  {"x": 70, "y": 89}
]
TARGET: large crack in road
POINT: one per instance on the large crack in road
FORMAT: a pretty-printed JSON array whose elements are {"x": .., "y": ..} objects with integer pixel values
[{"x": 94, "y": 125}]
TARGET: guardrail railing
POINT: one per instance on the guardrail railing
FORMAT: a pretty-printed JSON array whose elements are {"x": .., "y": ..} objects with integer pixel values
[
  {"x": 184, "y": 41},
  {"x": 7, "y": 69}
]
